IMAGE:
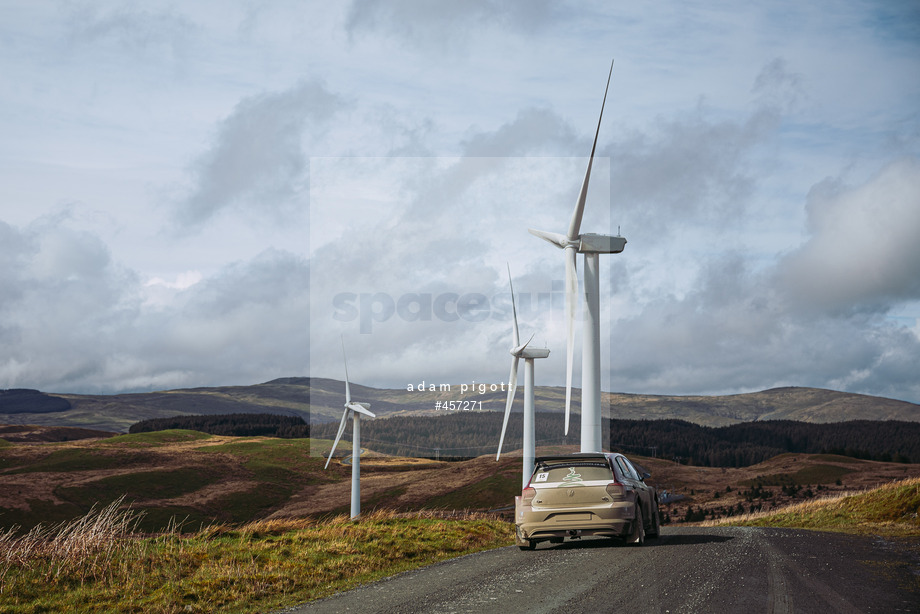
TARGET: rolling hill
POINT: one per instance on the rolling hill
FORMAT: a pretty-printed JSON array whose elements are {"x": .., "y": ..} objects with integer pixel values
[
  {"x": 208, "y": 478},
  {"x": 319, "y": 400}
]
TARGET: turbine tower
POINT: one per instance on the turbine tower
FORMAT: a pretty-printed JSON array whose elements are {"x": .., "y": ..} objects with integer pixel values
[
  {"x": 519, "y": 351},
  {"x": 591, "y": 246},
  {"x": 355, "y": 410}
]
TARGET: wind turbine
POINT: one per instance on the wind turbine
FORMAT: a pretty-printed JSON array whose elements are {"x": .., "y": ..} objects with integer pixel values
[
  {"x": 591, "y": 245},
  {"x": 355, "y": 410},
  {"x": 519, "y": 351}
]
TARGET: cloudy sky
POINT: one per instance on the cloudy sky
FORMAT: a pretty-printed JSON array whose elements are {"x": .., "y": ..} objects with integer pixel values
[{"x": 216, "y": 193}]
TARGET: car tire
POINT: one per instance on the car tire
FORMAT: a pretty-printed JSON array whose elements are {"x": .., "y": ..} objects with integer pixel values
[
  {"x": 638, "y": 532},
  {"x": 521, "y": 542},
  {"x": 655, "y": 530}
]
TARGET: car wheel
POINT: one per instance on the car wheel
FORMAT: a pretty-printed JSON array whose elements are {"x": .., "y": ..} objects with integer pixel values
[
  {"x": 521, "y": 542},
  {"x": 655, "y": 529},
  {"x": 638, "y": 533}
]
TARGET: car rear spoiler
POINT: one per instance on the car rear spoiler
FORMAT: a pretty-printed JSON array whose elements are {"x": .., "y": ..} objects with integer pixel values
[{"x": 595, "y": 456}]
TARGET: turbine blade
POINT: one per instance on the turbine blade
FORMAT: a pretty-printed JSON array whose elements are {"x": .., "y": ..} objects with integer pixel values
[
  {"x": 361, "y": 408},
  {"x": 516, "y": 351},
  {"x": 514, "y": 329},
  {"x": 571, "y": 301},
  {"x": 345, "y": 360},
  {"x": 552, "y": 237},
  {"x": 337, "y": 437},
  {"x": 512, "y": 387},
  {"x": 575, "y": 223}
]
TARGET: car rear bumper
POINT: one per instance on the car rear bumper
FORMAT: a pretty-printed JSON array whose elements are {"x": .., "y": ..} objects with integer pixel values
[{"x": 614, "y": 520}]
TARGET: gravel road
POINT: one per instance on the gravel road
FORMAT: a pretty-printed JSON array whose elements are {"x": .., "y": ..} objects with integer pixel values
[{"x": 687, "y": 570}]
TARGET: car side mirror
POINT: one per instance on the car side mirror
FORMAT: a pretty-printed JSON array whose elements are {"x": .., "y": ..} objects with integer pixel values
[{"x": 645, "y": 474}]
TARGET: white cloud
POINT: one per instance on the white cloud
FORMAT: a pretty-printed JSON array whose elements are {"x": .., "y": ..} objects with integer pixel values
[
  {"x": 689, "y": 169},
  {"x": 257, "y": 160},
  {"x": 183, "y": 281},
  {"x": 133, "y": 28},
  {"x": 777, "y": 88},
  {"x": 420, "y": 23},
  {"x": 203, "y": 152},
  {"x": 74, "y": 319},
  {"x": 736, "y": 332},
  {"x": 862, "y": 252}
]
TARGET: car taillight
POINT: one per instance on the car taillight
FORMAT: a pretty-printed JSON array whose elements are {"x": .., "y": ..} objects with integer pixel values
[
  {"x": 615, "y": 489},
  {"x": 527, "y": 495}
]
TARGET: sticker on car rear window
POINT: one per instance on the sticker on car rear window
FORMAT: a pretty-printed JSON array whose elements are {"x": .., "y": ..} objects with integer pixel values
[
  {"x": 572, "y": 476},
  {"x": 542, "y": 477}
]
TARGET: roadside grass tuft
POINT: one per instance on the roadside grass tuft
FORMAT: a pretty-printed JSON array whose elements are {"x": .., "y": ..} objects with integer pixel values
[
  {"x": 100, "y": 563},
  {"x": 75, "y": 552},
  {"x": 890, "y": 510}
]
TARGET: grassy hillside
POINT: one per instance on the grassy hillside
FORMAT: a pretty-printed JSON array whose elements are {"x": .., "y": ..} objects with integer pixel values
[
  {"x": 99, "y": 563},
  {"x": 21, "y": 433},
  {"x": 186, "y": 474},
  {"x": 200, "y": 479},
  {"x": 890, "y": 510},
  {"x": 321, "y": 400}
]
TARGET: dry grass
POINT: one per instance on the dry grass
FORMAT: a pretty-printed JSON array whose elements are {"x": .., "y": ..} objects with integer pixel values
[
  {"x": 803, "y": 508},
  {"x": 891, "y": 509},
  {"x": 81, "y": 550},
  {"x": 98, "y": 563}
]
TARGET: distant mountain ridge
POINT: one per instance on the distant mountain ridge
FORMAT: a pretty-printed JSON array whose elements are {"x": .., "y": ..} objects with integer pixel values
[
  {"x": 20, "y": 400},
  {"x": 815, "y": 405},
  {"x": 320, "y": 400}
]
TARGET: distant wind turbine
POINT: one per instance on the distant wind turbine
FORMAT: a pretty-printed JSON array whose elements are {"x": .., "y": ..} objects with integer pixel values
[
  {"x": 355, "y": 410},
  {"x": 591, "y": 245},
  {"x": 519, "y": 351}
]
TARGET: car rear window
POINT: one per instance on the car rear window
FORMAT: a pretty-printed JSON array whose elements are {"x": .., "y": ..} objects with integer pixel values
[{"x": 572, "y": 473}]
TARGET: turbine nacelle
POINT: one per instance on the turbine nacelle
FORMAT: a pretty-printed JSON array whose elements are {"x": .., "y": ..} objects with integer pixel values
[
  {"x": 601, "y": 244},
  {"x": 533, "y": 353},
  {"x": 587, "y": 243}
]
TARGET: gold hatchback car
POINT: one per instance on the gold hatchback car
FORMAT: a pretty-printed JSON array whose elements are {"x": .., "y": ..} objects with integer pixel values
[{"x": 577, "y": 495}]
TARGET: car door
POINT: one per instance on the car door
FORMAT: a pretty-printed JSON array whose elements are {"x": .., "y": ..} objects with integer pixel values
[{"x": 633, "y": 480}]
